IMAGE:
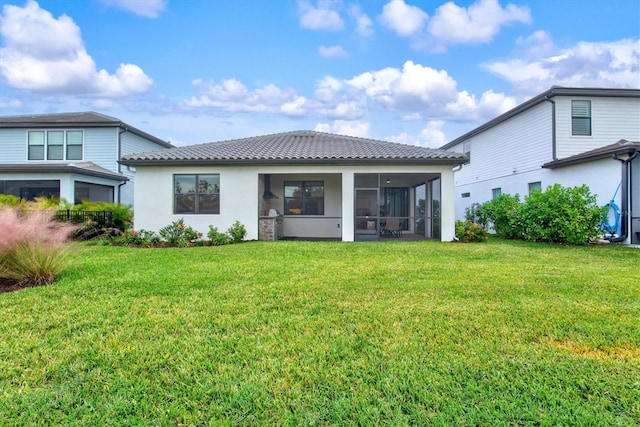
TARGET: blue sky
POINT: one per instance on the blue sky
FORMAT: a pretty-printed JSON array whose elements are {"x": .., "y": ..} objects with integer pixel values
[{"x": 417, "y": 72}]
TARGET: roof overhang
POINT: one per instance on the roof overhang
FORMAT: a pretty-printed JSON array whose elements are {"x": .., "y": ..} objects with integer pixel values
[
  {"x": 88, "y": 169},
  {"x": 621, "y": 147},
  {"x": 294, "y": 162}
]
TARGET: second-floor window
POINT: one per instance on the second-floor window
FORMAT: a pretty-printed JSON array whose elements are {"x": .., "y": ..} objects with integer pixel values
[
  {"x": 581, "y": 117},
  {"x": 55, "y": 145}
]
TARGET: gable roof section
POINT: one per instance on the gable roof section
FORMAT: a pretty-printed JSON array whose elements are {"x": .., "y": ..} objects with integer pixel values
[
  {"x": 306, "y": 147},
  {"x": 545, "y": 96},
  {"x": 621, "y": 147},
  {"x": 81, "y": 168},
  {"x": 83, "y": 119}
]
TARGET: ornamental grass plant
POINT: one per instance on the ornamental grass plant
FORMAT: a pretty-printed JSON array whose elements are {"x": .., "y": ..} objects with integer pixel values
[{"x": 32, "y": 246}]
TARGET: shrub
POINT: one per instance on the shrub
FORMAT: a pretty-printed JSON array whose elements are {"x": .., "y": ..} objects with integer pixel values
[
  {"x": 503, "y": 212},
  {"x": 557, "y": 215},
  {"x": 178, "y": 234},
  {"x": 9, "y": 200},
  {"x": 216, "y": 237},
  {"x": 122, "y": 214},
  {"x": 562, "y": 215},
  {"x": 468, "y": 232},
  {"x": 237, "y": 232},
  {"x": 477, "y": 214},
  {"x": 144, "y": 238},
  {"x": 31, "y": 246}
]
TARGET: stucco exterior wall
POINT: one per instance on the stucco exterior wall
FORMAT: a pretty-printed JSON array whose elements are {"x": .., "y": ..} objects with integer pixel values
[{"x": 240, "y": 195}]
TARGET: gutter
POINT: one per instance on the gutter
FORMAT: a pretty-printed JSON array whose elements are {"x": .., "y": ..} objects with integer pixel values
[
  {"x": 624, "y": 196},
  {"x": 121, "y": 129},
  {"x": 553, "y": 126}
]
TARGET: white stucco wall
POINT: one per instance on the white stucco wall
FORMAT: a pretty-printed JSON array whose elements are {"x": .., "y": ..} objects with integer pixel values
[{"x": 239, "y": 195}]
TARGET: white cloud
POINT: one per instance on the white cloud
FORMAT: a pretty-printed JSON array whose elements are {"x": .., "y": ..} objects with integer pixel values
[
  {"x": 146, "y": 8},
  {"x": 479, "y": 23},
  {"x": 348, "y": 110},
  {"x": 332, "y": 52},
  {"x": 323, "y": 17},
  {"x": 426, "y": 91},
  {"x": 362, "y": 22},
  {"x": 412, "y": 117},
  {"x": 295, "y": 108},
  {"x": 47, "y": 55},
  {"x": 233, "y": 96},
  {"x": 402, "y": 18},
  {"x": 587, "y": 64},
  {"x": 537, "y": 44},
  {"x": 413, "y": 87},
  {"x": 11, "y": 104},
  {"x": 430, "y": 136},
  {"x": 344, "y": 127}
]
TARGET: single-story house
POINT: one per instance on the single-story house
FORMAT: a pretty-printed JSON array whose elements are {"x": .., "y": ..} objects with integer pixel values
[{"x": 299, "y": 184}]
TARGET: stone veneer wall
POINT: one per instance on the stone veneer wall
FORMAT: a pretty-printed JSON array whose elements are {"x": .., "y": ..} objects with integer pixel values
[{"x": 266, "y": 228}]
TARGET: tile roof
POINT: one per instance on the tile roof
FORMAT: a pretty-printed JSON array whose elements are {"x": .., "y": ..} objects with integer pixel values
[
  {"x": 296, "y": 147},
  {"x": 621, "y": 147},
  {"x": 81, "y": 119}
]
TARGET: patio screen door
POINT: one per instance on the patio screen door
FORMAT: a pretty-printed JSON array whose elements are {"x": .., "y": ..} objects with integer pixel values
[{"x": 366, "y": 214}]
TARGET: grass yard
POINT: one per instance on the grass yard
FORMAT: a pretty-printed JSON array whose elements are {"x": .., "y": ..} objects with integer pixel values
[{"x": 328, "y": 333}]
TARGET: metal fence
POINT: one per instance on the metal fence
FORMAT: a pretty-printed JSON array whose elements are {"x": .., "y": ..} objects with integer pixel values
[{"x": 102, "y": 219}]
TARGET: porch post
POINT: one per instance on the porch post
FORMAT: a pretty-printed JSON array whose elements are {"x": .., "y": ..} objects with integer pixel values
[
  {"x": 447, "y": 206},
  {"x": 347, "y": 206}
]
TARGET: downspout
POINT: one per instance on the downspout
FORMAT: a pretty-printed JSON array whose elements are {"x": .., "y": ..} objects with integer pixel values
[
  {"x": 624, "y": 196},
  {"x": 553, "y": 127},
  {"x": 121, "y": 130}
]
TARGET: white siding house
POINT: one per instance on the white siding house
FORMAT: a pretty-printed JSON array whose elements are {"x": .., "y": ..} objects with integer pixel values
[
  {"x": 567, "y": 136},
  {"x": 71, "y": 155},
  {"x": 299, "y": 184}
]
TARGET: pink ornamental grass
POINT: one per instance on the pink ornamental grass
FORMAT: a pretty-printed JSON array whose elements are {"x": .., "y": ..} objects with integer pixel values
[
  {"x": 31, "y": 246},
  {"x": 31, "y": 227}
]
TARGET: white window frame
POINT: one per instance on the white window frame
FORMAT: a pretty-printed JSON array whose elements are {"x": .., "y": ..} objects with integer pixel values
[
  {"x": 46, "y": 152},
  {"x": 581, "y": 112}
]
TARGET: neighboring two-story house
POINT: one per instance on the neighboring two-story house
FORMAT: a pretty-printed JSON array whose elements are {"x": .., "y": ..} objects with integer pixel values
[
  {"x": 73, "y": 156},
  {"x": 569, "y": 136}
]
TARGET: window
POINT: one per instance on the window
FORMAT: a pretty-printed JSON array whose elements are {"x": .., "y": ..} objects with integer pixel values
[
  {"x": 466, "y": 148},
  {"x": 74, "y": 145},
  {"x": 196, "y": 194},
  {"x": 581, "y": 118},
  {"x": 30, "y": 189},
  {"x": 496, "y": 192},
  {"x": 304, "y": 198},
  {"x": 93, "y": 192},
  {"x": 36, "y": 146},
  {"x": 535, "y": 186},
  {"x": 55, "y": 142}
]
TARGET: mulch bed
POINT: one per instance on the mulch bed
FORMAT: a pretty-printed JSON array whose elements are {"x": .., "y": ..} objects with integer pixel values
[{"x": 8, "y": 285}]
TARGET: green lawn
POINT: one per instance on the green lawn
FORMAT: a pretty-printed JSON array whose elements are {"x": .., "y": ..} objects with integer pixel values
[{"x": 328, "y": 333}]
